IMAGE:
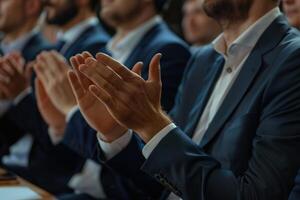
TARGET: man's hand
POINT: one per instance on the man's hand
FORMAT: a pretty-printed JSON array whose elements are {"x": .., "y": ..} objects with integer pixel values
[
  {"x": 132, "y": 101},
  {"x": 14, "y": 76},
  {"x": 51, "y": 69},
  {"x": 52, "y": 116},
  {"x": 92, "y": 109}
]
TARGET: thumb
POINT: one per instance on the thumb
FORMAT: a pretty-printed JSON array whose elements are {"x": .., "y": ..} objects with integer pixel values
[
  {"x": 29, "y": 71},
  {"x": 41, "y": 94},
  {"x": 154, "y": 68}
]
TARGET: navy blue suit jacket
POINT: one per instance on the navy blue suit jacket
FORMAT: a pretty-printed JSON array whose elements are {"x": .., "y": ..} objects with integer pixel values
[
  {"x": 55, "y": 164},
  {"x": 31, "y": 49},
  {"x": 175, "y": 57},
  {"x": 295, "y": 195},
  {"x": 250, "y": 150}
]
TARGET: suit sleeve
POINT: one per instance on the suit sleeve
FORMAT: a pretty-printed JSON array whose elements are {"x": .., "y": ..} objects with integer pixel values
[
  {"x": 81, "y": 138},
  {"x": 180, "y": 165}
]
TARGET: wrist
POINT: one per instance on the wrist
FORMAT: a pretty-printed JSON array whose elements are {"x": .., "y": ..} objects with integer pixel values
[
  {"x": 113, "y": 135},
  {"x": 67, "y": 109},
  {"x": 149, "y": 130},
  {"x": 58, "y": 131}
]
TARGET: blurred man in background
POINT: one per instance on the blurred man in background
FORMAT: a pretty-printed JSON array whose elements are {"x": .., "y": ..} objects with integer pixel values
[
  {"x": 21, "y": 43},
  {"x": 292, "y": 10},
  {"x": 198, "y": 28},
  {"x": 52, "y": 165}
]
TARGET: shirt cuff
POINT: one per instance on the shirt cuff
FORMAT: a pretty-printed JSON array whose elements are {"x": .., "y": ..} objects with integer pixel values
[
  {"x": 71, "y": 113},
  {"x": 152, "y": 144},
  {"x": 22, "y": 95},
  {"x": 55, "y": 138},
  {"x": 112, "y": 149},
  {"x": 88, "y": 180}
]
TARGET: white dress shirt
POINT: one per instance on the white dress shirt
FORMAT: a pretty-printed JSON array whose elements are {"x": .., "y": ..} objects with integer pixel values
[{"x": 235, "y": 56}]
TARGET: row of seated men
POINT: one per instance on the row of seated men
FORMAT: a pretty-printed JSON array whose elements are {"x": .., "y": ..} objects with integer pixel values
[{"x": 96, "y": 126}]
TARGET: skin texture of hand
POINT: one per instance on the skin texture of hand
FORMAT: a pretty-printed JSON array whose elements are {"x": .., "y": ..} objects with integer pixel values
[
  {"x": 132, "y": 101},
  {"x": 52, "y": 116},
  {"x": 14, "y": 76},
  {"x": 92, "y": 109},
  {"x": 51, "y": 69}
]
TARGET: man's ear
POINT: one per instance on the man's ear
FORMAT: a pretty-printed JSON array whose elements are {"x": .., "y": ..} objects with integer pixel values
[{"x": 32, "y": 8}]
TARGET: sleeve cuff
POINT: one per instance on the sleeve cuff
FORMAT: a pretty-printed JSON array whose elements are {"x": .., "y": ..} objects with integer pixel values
[
  {"x": 71, "y": 113},
  {"x": 112, "y": 149},
  {"x": 22, "y": 95},
  {"x": 152, "y": 144},
  {"x": 87, "y": 181},
  {"x": 55, "y": 138}
]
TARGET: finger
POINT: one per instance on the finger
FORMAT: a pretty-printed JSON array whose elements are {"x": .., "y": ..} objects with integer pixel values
[
  {"x": 19, "y": 59},
  {"x": 51, "y": 66},
  {"x": 4, "y": 72},
  {"x": 79, "y": 60},
  {"x": 154, "y": 68},
  {"x": 101, "y": 75},
  {"x": 60, "y": 61},
  {"x": 40, "y": 91},
  {"x": 4, "y": 89},
  {"x": 77, "y": 88},
  {"x": 9, "y": 66},
  {"x": 92, "y": 75},
  {"x": 101, "y": 95},
  {"x": 28, "y": 71},
  {"x": 120, "y": 69},
  {"x": 73, "y": 62},
  {"x": 38, "y": 68},
  {"x": 137, "y": 68},
  {"x": 42, "y": 68},
  {"x": 87, "y": 55}
]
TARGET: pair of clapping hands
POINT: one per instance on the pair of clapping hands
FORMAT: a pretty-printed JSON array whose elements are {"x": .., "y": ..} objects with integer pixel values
[
  {"x": 111, "y": 97},
  {"x": 14, "y": 76}
]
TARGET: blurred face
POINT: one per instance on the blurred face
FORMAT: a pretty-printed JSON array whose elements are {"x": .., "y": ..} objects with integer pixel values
[
  {"x": 292, "y": 11},
  {"x": 198, "y": 28},
  {"x": 116, "y": 12},
  {"x": 227, "y": 9},
  {"x": 12, "y": 14},
  {"x": 60, "y": 12}
]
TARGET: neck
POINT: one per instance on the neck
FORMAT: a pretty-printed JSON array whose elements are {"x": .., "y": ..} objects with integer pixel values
[
  {"x": 130, "y": 25},
  {"x": 233, "y": 29},
  {"x": 20, "y": 31},
  {"x": 82, "y": 15}
]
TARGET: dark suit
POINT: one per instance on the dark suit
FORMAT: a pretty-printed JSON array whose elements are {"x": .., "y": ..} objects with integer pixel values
[
  {"x": 175, "y": 53},
  {"x": 295, "y": 195},
  {"x": 52, "y": 166},
  {"x": 33, "y": 47},
  {"x": 250, "y": 150}
]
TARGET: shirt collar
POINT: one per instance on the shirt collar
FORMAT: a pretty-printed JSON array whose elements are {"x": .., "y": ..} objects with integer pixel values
[
  {"x": 132, "y": 39},
  {"x": 18, "y": 44},
  {"x": 245, "y": 43},
  {"x": 73, "y": 33}
]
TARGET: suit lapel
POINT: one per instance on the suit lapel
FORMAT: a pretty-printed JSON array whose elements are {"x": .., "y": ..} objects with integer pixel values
[
  {"x": 267, "y": 42},
  {"x": 210, "y": 81},
  {"x": 138, "y": 52}
]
